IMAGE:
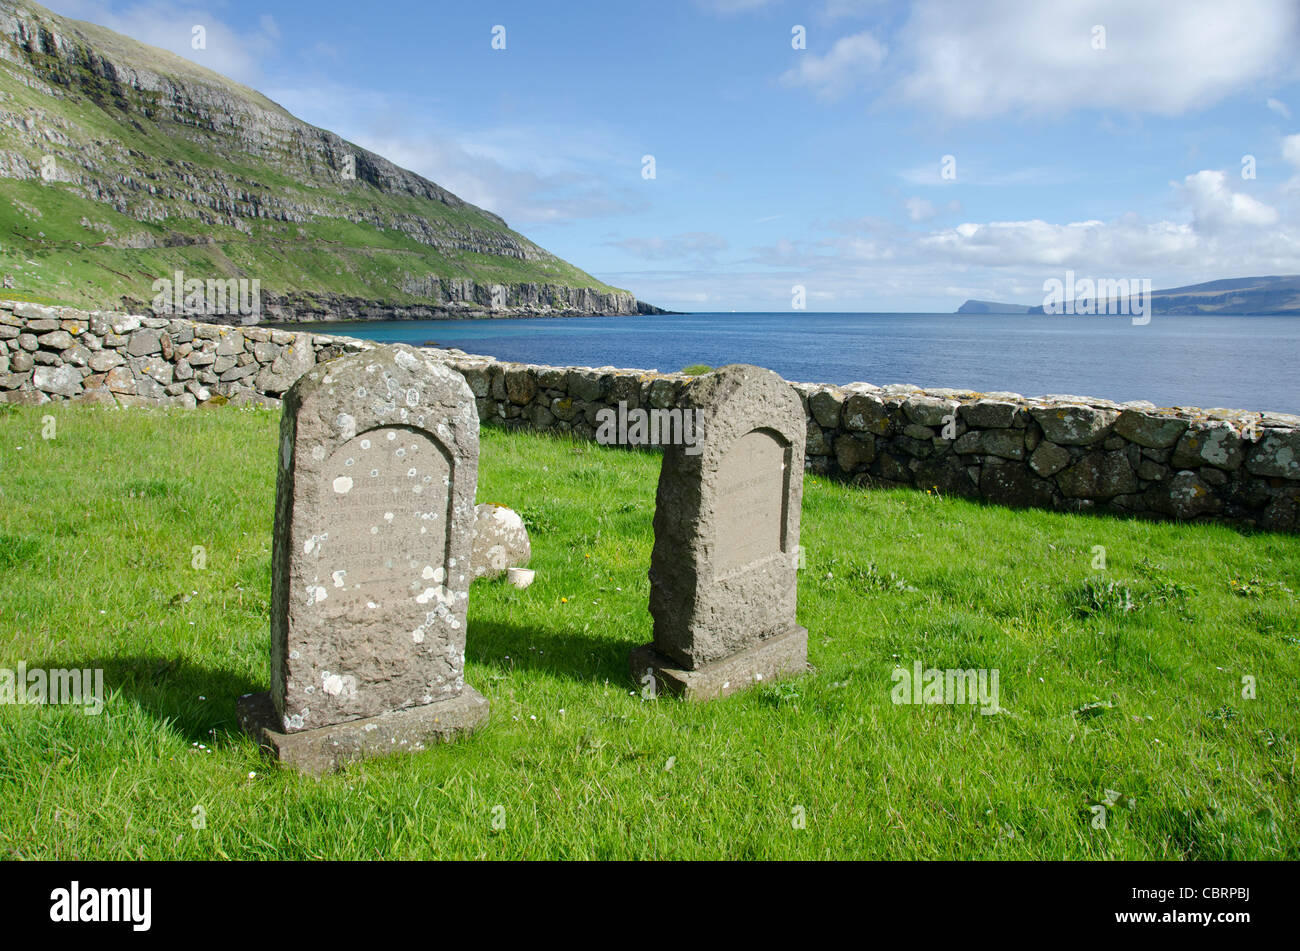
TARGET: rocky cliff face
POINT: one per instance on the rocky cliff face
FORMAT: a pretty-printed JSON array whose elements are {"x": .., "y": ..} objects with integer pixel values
[
  {"x": 126, "y": 152},
  {"x": 444, "y": 299}
]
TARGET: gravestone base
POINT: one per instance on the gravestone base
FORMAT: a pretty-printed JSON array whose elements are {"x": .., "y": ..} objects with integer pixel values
[
  {"x": 782, "y": 655},
  {"x": 326, "y": 748}
]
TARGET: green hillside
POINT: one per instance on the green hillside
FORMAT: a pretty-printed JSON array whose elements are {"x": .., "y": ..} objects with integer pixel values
[{"x": 121, "y": 163}]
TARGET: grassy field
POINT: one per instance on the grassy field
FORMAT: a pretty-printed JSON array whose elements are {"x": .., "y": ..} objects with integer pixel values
[{"x": 1121, "y": 687}]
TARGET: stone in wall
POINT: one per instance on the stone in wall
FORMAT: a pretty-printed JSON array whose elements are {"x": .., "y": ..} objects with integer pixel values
[{"x": 1060, "y": 451}]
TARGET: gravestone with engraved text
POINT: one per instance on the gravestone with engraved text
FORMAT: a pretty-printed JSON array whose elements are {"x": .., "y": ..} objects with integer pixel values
[
  {"x": 723, "y": 569},
  {"x": 371, "y": 562}
]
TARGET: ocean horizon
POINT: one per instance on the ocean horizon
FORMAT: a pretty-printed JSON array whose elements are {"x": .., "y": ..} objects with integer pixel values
[{"x": 1235, "y": 362}]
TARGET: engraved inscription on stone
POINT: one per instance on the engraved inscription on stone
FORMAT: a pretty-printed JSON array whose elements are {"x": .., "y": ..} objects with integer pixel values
[
  {"x": 750, "y": 514},
  {"x": 381, "y": 537}
]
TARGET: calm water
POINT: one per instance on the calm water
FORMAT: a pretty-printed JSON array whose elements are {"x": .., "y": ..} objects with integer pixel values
[{"x": 1239, "y": 362}]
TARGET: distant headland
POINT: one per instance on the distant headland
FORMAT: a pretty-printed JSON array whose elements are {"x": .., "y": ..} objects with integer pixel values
[{"x": 1238, "y": 296}]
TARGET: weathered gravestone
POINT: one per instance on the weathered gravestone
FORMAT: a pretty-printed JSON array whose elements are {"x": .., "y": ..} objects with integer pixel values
[
  {"x": 723, "y": 572},
  {"x": 374, "y": 521}
]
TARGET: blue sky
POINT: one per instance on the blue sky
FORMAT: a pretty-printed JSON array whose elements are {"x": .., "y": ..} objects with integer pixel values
[{"x": 1115, "y": 154}]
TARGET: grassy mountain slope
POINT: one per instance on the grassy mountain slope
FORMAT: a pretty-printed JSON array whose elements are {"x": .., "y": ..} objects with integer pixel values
[
  {"x": 121, "y": 163},
  {"x": 1229, "y": 297}
]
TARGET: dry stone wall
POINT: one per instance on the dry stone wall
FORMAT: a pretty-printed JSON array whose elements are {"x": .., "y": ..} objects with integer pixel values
[{"x": 1060, "y": 452}]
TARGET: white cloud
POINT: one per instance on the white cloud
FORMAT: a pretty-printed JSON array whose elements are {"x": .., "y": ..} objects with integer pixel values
[
  {"x": 522, "y": 196},
  {"x": 919, "y": 209},
  {"x": 525, "y": 174},
  {"x": 1103, "y": 246},
  {"x": 1227, "y": 231},
  {"x": 975, "y": 60},
  {"x": 1291, "y": 149},
  {"x": 1161, "y": 56},
  {"x": 230, "y": 50},
  {"x": 1215, "y": 207},
  {"x": 849, "y": 61},
  {"x": 922, "y": 209},
  {"x": 1279, "y": 107},
  {"x": 702, "y": 246},
  {"x": 874, "y": 263}
]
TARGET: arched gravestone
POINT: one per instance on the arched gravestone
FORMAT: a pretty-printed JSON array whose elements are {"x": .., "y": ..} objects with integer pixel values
[
  {"x": 374, "y": 523},
  {"x": 723, "y": 569}
]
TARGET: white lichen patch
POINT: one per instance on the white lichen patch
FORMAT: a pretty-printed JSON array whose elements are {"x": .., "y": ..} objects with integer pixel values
[
  {"x": 338, "y": 685},
  {"x": 441, "y": 593},
  {"x": 343, "y": 485},
  {"x": 346, "y": 425}
]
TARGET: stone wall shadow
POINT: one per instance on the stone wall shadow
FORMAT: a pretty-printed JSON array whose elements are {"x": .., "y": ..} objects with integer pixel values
[{"x": 869, "y": 483}]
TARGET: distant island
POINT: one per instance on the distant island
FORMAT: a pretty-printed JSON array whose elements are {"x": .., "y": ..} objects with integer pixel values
[{"x": 1239, "y": 296}]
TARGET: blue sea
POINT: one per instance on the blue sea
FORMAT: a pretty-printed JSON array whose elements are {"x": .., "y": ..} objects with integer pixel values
[{"x": 1238, "y": 362}]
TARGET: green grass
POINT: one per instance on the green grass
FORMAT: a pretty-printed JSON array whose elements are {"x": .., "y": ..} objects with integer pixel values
[{"x": 1120, "y": 686}]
